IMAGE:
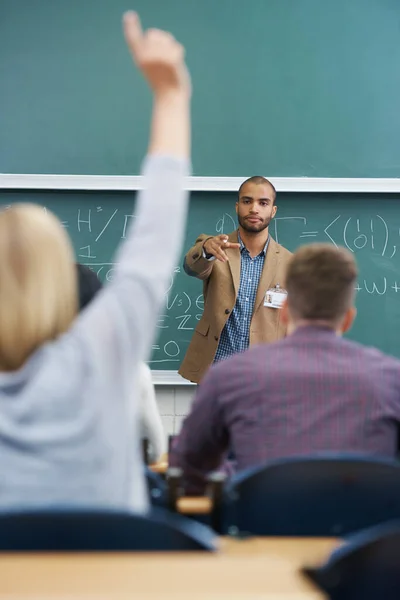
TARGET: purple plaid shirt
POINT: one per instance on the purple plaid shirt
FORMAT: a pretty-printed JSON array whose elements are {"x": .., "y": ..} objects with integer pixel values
[{"x": 312, "y": 391}]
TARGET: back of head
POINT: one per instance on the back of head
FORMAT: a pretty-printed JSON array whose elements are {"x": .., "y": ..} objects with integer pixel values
[
  {"x": 320, "y": 282},
  {"x": 38, "y": 288}
]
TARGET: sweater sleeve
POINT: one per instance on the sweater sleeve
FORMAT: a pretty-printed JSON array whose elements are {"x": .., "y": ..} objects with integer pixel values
[{"x": 118, "y": 327}]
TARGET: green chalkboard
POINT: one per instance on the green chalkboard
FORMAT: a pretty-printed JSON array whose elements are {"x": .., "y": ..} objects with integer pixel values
[
  {"x": 281, "y": 87},
  {"x": 367, "y": 224}
]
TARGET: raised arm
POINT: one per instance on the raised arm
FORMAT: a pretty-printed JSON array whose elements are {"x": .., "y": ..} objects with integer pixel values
[{"x": 118, "y": 327}]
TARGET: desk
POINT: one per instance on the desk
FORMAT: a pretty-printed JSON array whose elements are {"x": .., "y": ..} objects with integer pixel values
[
  {"x": 161, "y": 467},
  {"x": 254, "y": 569}
]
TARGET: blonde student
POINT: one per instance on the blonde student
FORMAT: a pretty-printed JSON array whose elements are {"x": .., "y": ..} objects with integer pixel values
[{"x": 66, "y": 382}]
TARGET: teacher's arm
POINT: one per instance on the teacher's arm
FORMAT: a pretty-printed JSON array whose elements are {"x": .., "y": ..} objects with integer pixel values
[
  {"x": 199, "y": 261},
  {"x": 195, "y": 263}
]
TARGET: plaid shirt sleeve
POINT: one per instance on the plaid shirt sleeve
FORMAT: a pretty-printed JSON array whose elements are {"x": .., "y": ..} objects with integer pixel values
[{"x": 203, "y": 442}]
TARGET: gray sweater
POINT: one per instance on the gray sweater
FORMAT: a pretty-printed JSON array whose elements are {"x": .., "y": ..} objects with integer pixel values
[{"x": 67, "y": 416}]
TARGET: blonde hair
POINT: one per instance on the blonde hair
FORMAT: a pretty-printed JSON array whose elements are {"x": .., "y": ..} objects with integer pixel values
[{"x": 38, "y": 282}]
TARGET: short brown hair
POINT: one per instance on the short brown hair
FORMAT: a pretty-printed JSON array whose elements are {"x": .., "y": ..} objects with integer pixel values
[{"x": 320, "y": 282}]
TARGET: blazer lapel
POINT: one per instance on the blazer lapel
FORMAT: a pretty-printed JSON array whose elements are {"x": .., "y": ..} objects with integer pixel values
[
  {"x": 268, "y": 274},
  {"x": 234, "y": 261}
]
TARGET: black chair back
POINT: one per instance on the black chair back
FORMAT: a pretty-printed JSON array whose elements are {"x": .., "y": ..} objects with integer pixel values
[
  {"x": 366, "y": 568},
  {"x": 101, "y": 531},
  {"x": 323, "y": 495},
  {"x": 156, "y": 487}
]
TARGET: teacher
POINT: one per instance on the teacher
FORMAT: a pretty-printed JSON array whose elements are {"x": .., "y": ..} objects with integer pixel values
[{"x": 237, "y": 271}]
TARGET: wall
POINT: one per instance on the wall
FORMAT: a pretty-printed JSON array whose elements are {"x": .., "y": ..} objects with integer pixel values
[{"x": 174, "y": 403}]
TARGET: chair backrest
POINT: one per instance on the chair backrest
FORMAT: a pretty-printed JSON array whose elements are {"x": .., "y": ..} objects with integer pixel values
[
  {"x": 156, "y": 487},
  {"x": 101, "y": 531},
  {"x": 366, "y": 567},
  {"x": 323, "y": 495}
]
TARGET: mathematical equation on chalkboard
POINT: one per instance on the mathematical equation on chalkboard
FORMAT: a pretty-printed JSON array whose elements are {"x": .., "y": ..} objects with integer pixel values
[
  {"x": 90, "y": 226},
  {"x": 351, "y": 232},
  {"x": 181, "y": 314},
  {"x": 370, "y": 236}
]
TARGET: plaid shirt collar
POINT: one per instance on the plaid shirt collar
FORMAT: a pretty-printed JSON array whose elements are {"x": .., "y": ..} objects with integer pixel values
[{"x": 243, "y": 247}]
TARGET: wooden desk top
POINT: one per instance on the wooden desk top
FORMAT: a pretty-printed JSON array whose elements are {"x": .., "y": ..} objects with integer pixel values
[
  {"x": 161, "y": 467},
  {"x": 254, "y": 569}
]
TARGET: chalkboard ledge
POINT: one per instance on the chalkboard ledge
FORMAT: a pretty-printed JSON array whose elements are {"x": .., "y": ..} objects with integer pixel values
[
  {"x": 197, "y": 184},
  {"x": 169, "y": 378}
]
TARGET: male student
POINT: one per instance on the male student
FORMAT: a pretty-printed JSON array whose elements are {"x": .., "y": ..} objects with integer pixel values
[
  {"x": 312, "y": 391},
  {"x": 237, "y": 271}
]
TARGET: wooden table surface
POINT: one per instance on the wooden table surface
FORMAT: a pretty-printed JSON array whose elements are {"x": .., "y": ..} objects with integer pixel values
[
  {"x": 161, "y": 467},
  {"x": 253, "y": 569}
]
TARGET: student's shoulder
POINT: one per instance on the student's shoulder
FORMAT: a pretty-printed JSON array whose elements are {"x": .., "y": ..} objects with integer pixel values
[
  {"x": 227, "y": 373},
  {"x": 375, "y": 357},
  {"x": 218, "y": 373}
]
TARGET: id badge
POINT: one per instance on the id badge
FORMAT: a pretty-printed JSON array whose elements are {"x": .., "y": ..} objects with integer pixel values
[{"x": 275, "y": 297}]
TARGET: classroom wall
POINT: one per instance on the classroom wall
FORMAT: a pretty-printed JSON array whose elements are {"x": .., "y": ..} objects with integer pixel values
[{"x": 174, "y": 404}]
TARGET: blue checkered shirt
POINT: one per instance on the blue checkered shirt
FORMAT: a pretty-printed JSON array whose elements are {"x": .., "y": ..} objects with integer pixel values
[{"x": 235, "y": 336}]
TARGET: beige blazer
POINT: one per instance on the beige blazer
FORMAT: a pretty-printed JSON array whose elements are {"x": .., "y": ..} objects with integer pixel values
[{"x": 220, "y": 289}]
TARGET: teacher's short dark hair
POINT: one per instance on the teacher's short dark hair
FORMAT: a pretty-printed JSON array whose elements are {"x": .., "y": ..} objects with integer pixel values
[{"x": 257, "y": 179}]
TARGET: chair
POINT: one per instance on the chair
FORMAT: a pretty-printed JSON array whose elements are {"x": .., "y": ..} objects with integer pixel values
[
  {"x": 366, "y": 567},
  {"x": 101, "y": 531},
  {"x": 156, "y": 487},
  {"x": 323, "y": 495}
]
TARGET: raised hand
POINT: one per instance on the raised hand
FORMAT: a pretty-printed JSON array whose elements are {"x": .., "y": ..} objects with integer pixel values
[{"x": 159, "y": 57}]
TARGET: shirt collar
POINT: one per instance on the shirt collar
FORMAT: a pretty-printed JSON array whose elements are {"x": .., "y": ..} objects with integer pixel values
[
  {"x": 243, "y": 247},
  {"x": 314, "y": 329}
]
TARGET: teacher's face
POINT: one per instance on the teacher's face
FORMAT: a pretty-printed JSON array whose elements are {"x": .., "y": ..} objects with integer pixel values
[{"x": 255, "y": 207}]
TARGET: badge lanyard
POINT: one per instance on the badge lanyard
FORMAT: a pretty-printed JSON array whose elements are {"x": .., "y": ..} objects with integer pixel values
[{"x": 275, "y": 297}]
